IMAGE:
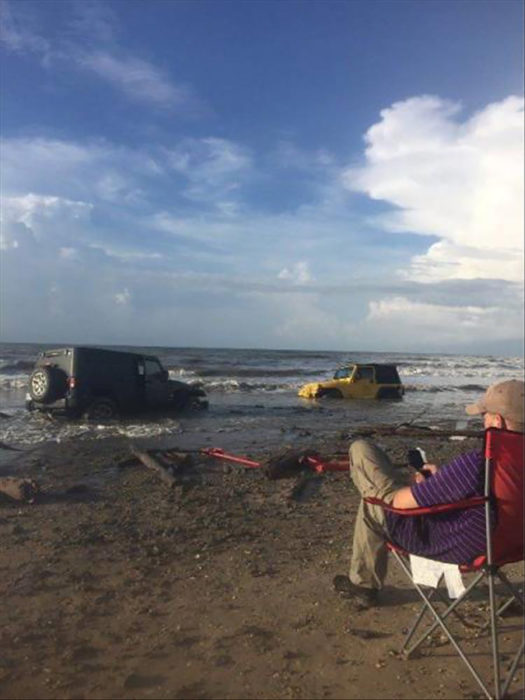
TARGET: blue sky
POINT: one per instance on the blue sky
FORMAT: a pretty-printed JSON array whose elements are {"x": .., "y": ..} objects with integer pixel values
[{"x": 334, "y": 175}]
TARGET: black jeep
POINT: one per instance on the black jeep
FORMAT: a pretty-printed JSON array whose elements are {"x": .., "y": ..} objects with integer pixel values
[{"x": 100, "y": 384}]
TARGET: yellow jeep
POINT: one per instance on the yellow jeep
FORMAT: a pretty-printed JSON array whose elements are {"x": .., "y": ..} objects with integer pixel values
[{"x": 358, "y": 381}]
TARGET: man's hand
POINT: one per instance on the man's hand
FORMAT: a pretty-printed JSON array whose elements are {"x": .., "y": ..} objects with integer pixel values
[
  {"x": 427, "y": 471},
  {"x": 432, "y": 468},
  {"x": 403, "y": 497}
]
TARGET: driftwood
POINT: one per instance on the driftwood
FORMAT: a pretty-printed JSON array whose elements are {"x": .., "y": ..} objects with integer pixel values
[
  {"x": 19, "y": 489},
  {"x": 5, "y": 446},
  {"x": 180, "y": 461},
  {"x": 417, "y": 431},
  {"x": 152, "y": 463}
]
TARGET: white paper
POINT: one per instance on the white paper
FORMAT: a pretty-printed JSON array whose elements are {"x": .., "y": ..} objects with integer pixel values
[{"x": 427, "y": 572}]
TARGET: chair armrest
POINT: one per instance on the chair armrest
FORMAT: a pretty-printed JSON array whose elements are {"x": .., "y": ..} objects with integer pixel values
[{"x": 428, "y": 510}]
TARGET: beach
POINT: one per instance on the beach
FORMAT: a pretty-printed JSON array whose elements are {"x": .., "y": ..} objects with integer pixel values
[{"x": 115, "y": 585}]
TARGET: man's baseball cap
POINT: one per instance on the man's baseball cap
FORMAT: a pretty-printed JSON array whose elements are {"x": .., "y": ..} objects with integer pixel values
[{"x": 505, "y": 398}]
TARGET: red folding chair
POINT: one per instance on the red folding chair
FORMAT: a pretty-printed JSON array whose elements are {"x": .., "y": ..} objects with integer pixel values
[{"x": 504, "y": 467}]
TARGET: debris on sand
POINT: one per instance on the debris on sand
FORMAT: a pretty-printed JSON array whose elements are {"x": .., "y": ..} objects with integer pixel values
[{"x": 19, "y": 489}]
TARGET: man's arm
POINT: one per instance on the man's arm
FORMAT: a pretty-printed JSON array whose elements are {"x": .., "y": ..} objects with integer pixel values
[{"x": 403, "y": 498}]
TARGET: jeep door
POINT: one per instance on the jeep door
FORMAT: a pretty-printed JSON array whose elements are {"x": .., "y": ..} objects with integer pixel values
[
  {"x": 156, "y": 385},
  {"x": 363, "y": 383}
]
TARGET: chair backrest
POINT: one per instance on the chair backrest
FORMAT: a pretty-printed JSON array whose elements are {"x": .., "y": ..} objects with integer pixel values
[{"x": 504, "y": 455}]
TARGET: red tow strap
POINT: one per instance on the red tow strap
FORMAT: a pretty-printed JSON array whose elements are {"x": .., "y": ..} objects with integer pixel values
[
  {"x": 316, "y": 464},
  {"x": 219, "y": 453},
  {"x": 339, "y": 465}
]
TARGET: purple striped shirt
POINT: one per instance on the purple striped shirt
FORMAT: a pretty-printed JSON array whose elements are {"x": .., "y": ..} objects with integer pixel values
[{"x": 457, "y": 537}]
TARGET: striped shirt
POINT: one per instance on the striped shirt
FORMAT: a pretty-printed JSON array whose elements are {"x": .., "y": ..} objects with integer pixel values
[{"x": 458, "y": 536}]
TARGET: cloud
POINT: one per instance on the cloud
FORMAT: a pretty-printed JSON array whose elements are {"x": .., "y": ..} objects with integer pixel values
[
  {"x": 114, "y": 234},
  {"x": 17, "y": 34},
  {"x": 31, "y": 218},
  {"x": 215, "y": 169},
  {"x": 75, "y": 171},
  {"x": 123, "y": 297},
  {"x": 86, "y": 41},
  {"x": 298, "y": 273},
  {"x": 439, "y": 325},
  {"x": 461, "y": 181},
  {"x": 93, "y": 19},
  {"x": 138, "y": 79}
]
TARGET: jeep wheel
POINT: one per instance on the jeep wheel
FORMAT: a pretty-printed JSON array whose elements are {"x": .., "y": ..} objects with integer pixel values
[
  {"x": 47, "y": 384},
  {"x": 101, "y": 410},
  {"x": 329, "y": 394},
  {"x": 196, "y": 403}
]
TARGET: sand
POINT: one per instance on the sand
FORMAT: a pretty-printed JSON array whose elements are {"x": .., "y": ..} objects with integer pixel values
[{"x": 116, "y": 586}]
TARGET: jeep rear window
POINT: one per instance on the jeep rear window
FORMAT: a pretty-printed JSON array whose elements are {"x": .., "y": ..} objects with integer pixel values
[{"x": 387, "y": 375}]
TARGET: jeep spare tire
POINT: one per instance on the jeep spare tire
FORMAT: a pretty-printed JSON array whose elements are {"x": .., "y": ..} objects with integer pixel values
[{"x": 47, "y": 384}]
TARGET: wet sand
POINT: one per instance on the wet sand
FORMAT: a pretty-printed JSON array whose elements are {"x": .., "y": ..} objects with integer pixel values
[{"x": 116, "y": 586}]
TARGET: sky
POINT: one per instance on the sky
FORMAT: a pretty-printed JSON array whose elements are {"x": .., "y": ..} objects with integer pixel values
[{"x": 335, "y": 174}]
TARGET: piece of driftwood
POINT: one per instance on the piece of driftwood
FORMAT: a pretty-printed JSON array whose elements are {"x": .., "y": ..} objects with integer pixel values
[
  {"x": 19, "y": 489},
  {"x": 152, "y": 463},
  {"x": 180, "y": 461},
  {"x": 417, "y": 432},
  {"x": 5, "y": 446}
]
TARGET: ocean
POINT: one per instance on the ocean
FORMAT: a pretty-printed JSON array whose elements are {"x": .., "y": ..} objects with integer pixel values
[{"x": 248, "y": 388}]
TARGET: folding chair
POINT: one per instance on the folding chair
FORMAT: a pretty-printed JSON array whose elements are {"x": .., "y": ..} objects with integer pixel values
[{"x": 504, "y": 467}]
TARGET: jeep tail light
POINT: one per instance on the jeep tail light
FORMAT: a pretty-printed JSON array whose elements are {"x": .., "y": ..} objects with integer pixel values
[{"x": 72, "y": 381}]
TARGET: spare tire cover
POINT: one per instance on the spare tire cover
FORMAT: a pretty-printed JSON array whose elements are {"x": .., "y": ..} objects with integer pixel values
[{"x": 47, "y": 384}]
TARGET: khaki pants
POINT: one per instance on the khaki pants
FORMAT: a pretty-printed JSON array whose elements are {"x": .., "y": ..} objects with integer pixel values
[{"x": 373, "y": 475}]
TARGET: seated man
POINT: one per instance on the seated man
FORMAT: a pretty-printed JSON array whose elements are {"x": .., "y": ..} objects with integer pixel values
[{"x": 455, "y": 537}]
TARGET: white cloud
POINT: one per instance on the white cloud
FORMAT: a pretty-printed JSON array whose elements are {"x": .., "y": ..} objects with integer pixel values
[
  {"x": 87, "y": 43},
  {"x": 110, "y": 233},
  {"x": 138, "y": 79},
  {"x": 75, "y": 171},
  {"x": 298, "y": 273},
  {"x": 93, "y": 19},
  {"x": 215, "y": 169},
  {"x": 123, "y": 297},
  {"x": 33, "y": 217},
  {"x": 441, "y": 325},
  {"x": 17, "y": 34},
  {"x": 461, "y": 181}
]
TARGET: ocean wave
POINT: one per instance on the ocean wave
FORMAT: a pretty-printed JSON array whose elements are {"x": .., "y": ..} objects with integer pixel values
[
  {"x": 16, "y": 367},
  {"x": 182, "y": 374},
  {"x": 489, "y": 371},
  {"x": 259, "y": 372},
  {"x": 233, "y": 385},
  {"x": 10, "y": 383},
  {"x": 437, "y": 389},
  {"x": 23, "y": 429}
]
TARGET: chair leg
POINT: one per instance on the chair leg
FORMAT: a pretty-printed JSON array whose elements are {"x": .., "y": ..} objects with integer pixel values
[
  {"x": 415, "y": 625},
  {"x": 435, "y": 591},
  {"x": 440, "y": 621},
  {"x": 512, "y": 669},
  {"x": 494, "y": 634},
  {"x": 516, "y": 595}
]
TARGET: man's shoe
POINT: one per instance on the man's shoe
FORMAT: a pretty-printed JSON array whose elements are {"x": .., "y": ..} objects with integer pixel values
[{"x": 363, "y": 597}]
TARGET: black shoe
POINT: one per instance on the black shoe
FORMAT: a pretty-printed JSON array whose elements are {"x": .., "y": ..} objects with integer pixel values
[{"x": 363, "y": 597}]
